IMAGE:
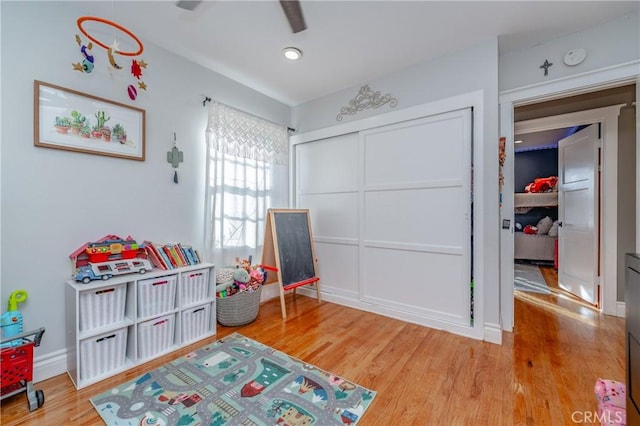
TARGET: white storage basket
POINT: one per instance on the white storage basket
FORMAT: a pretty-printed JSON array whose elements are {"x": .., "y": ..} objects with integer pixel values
[
  {"x": 194, "y": 286},
  {"x": 102, "y": 353},
  {"x": 155, "y": 336},
  {"x": 195, "y": 322},
  {"x": 156, "y": 296},
  {"x": 102, "y": 306}
]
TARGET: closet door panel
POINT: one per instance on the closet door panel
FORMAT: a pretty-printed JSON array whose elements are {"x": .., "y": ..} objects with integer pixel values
[
  {"x": 328, "y": 165},
  {"x": 327, "y": 185},
  {"x": 423, "y": 283},
  {"x": 425, "y": 216},
  {"x": 414, "y": 152},
  {"x": 326, "y": 209},
  {"x": 337, "y": 270},
  {"x": 416, "y": 216}
]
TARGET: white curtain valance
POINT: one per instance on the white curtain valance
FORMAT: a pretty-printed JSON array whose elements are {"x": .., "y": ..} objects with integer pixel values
[{"x": 243, "y": 135}]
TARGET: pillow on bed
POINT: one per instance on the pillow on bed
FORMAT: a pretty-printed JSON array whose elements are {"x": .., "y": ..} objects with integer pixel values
[
  {"x": 553, "y": 232},
  {"x": 544, "y": 225}
]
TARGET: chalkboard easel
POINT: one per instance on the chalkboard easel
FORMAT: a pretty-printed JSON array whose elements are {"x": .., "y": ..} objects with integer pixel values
[{"x": 288, "y": 251}]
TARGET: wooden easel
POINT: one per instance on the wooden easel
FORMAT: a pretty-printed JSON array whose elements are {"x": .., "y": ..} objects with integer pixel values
[{"x": 288, "y": 254}]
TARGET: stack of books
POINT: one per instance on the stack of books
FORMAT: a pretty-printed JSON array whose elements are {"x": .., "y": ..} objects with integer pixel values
[{"x": 171, "y": 256}]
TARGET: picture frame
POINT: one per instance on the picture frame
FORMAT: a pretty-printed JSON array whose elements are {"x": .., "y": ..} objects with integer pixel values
[{"x": 74, "y": 121}]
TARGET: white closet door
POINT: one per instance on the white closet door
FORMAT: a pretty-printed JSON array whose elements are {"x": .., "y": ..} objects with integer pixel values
[
  {"x": 327, "y": 185},
  {"x": 415, "y": 220}
]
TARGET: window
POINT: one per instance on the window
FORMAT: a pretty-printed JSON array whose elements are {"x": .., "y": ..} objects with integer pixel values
[{"x": 246, "y": 175}]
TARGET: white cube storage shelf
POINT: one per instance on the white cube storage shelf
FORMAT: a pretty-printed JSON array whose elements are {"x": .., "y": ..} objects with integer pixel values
[{"x": 116, "y": 324}]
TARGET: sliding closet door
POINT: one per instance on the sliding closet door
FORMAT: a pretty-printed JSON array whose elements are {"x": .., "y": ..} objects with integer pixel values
[
  {"x": 327, "y": 184},
  {"x": 415, "y": 220}
]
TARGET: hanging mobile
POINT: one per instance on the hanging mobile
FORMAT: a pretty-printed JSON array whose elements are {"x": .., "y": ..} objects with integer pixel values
[{"x": 175, "y": 157}]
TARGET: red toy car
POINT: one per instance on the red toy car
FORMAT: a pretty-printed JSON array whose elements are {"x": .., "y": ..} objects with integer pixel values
[{"x": 542, "y": 184}]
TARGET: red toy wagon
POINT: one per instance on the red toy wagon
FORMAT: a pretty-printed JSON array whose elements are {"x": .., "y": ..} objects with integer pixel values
[{"x": 17, "y": 367}]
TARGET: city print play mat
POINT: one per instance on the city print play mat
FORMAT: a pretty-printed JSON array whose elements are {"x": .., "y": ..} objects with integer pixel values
[{"x": 235, "y": 381}]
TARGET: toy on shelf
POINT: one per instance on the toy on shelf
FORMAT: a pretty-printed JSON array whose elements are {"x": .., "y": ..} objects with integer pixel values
[
  {"x": 542, "y": 184},
  {"x": 107, "y": 248},
  {"x": 106, "y": 270},
  {"x": 11, "y": 321},
  {"x": 107, "y": 257}
]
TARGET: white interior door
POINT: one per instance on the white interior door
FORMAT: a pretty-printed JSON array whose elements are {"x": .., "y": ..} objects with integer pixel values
[{"x": 578, "y": 213}]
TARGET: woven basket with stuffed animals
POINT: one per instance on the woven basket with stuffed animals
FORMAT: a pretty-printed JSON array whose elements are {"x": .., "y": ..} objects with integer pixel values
[{"x": 238, "y": 290}]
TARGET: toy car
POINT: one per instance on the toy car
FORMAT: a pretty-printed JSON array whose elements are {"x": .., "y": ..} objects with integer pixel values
[
  {"x": 542, "y": 184},
  {"x": 106, "y": 270}
]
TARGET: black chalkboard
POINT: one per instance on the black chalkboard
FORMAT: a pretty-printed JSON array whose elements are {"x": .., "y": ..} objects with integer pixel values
[
  {"x": 294, "y": 246},
  {"x": 290, "y": 231},
  {"x": 288, "y": 255}
]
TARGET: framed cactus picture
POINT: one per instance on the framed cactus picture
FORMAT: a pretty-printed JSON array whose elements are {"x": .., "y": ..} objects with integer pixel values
[{"x": 75, "y": 121}]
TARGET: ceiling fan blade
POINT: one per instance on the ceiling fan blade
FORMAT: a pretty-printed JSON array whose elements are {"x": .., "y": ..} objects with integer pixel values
[
  {"x": 294, "y": 15},
  {"x": 188, "y": 4}
]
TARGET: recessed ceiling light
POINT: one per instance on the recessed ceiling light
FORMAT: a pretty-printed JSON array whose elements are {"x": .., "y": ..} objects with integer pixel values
[
  {"x": 518, "y": 141},
  {"x": 292, "y": 53}
]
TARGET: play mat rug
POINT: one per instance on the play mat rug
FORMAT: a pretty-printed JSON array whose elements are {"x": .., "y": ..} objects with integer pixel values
[{"x": 234, "y": 381}]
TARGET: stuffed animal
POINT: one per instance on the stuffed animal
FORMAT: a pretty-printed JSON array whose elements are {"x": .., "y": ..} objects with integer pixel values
[
  {"x": 244, "y": 263},
  {"x": 542, "y": 184},
  {"x": 241, "y": 278},
  {"x": 531, "y": 230},
  {"x": 611, "y": 397},
  {"x": 610, "y": 392},
  {"x": 257, "y": 275},
  {"x": 225, "y": 275}
]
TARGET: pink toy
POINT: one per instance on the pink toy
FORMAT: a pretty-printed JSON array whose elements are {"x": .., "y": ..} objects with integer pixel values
[
  {"x": 257, "y": 275},
  {"x": 612, "y": 400}
]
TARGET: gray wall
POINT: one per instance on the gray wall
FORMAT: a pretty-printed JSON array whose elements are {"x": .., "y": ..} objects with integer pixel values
[
  {"x": 614, "y": 42},
  {"x": 54, "y": 201},
  {"x": 610, "y": 44}
]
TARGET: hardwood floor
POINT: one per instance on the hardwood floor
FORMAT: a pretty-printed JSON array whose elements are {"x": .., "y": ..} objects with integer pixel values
[{"x": 542, "y": 374}]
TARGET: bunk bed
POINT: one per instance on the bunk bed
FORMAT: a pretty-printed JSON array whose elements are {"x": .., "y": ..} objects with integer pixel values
[{"x": 534, "y": 208}]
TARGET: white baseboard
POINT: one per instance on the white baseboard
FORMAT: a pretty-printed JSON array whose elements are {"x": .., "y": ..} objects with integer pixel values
[
  {"x": 269, "y": 292},
  {"x": 413, "y": 318},
  {"x": 620, "y": 309},
  {"x": 493, "y": 333},
  {"x": 49, "y": 365}
]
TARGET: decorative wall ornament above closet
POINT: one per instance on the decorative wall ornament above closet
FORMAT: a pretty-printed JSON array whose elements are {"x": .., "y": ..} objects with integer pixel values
[{"x": 365, "y": 99}]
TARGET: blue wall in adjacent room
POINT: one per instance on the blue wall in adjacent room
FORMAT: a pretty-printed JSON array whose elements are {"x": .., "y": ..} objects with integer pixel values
[{"x": 534, "y": 164}]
